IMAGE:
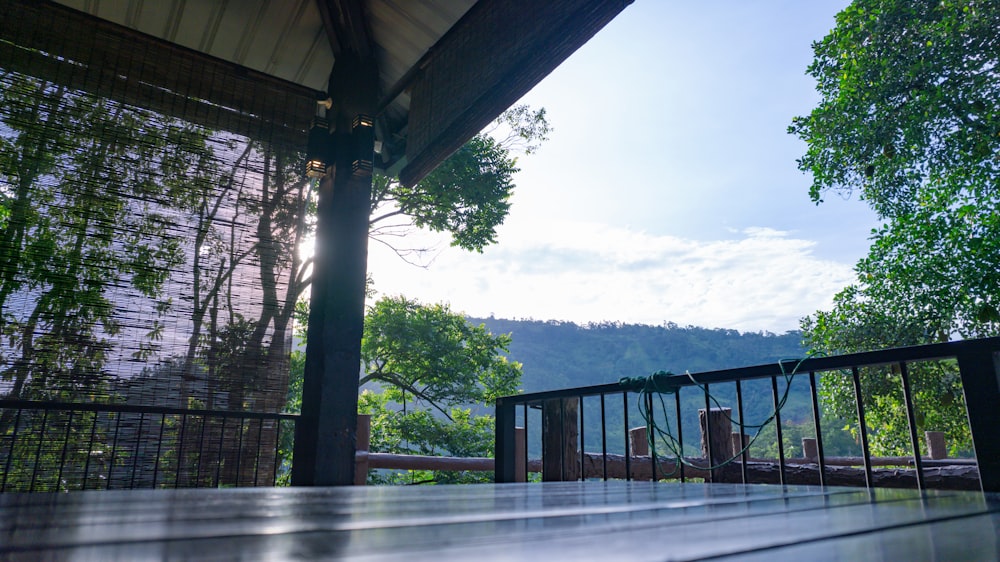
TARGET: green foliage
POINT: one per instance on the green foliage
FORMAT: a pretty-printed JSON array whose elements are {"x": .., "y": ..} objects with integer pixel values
[
  {"x": 837, "y": 439},
  {"x": 434, "y": 355},
  {"x": 420, "y": 432},
  {"x": 72, "y": 170},
  {"x": 40, "y": 441},
  {"x": 559, "y": 354},
  {"x": 909, "y": 102},
  {"x": 909, "y": 118},
  {"x": 467, "y": 195},
  {"x": 431, "y": 365}
]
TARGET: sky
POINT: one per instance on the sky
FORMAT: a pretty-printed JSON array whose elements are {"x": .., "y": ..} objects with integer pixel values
[{"x": 668, "y": 190}]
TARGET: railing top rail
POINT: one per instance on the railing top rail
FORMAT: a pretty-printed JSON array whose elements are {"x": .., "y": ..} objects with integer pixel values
[
  {"x": 786, "y": 366},
  {"x": 130, "y": 408}
]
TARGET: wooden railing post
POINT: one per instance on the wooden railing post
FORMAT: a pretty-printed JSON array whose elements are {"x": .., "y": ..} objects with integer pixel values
[
  {"x": 638, "y": 446},
  {"x": 810, "y": 449},
  {"x": 721, "y": 448},
  {"x": 363, "y": 443},
  {"x": 638, "y": 442},
  {"x": 936, "y": 447},
  {"x": 560, "y": 433},
  {"x": 520, "y": 447}
]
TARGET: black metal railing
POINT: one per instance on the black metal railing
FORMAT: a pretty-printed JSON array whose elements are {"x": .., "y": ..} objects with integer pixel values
[
  {"x": 556, "y": 422},
  {"x": 51, "y": 446}
]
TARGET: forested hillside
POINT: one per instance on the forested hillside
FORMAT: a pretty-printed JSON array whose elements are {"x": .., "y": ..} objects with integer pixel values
[{"x": 563, "y": 354}]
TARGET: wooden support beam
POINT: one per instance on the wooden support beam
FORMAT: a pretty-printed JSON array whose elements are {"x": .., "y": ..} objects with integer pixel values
[
  {"x": 346, "y": 26},
  {"x": 325, "y": 439}
]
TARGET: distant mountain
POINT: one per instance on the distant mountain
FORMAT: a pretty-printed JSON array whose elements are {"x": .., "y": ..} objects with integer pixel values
[
  {"x": 559, "y": 355},
  {"x": 563, "y": 354}
]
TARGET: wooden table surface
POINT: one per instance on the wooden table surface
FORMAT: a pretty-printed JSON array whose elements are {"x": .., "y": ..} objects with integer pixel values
[{"x": 607, "y": 521}]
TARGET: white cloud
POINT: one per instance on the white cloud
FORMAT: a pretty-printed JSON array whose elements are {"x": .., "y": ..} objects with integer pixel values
[{"x": 758, "y": 279}]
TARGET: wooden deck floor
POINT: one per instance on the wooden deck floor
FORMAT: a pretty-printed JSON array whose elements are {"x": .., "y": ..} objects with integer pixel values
[{"x": 554, "y": 521}]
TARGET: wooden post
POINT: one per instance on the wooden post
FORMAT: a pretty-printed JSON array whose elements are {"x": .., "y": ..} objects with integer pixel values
[
  {"x": 638, "y": 442},
  {"x": 740, "y": 441},
  {"x": 721, "y": 437},
  {"x": 326, "y": 433},
  {"x": 809, "y": 448},
  {"x": 560, "y": 433},
  {"x": 936, "y": 447},
  {"x": 638, "y": 446},
  {"x": 364, "y": 442},
  {"x": 520, "y": 446}
]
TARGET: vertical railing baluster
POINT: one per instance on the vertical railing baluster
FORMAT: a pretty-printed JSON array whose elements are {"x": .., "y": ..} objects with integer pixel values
[
  {"x": 628, "y": 449},
  {"x": 277, "y": 458},
  {"x": 201, "y": 451},
  {"x": 680, "y": 432},
  {"x": 912, "y": 421},
  {"x": 777, "y": 428},
  {"x": 256, "y": 460},
  {"x": 604, "y": 439},
  {"x": 583, "y": 446},
  {"x": 180, "y": 452},
  {"x": 90, "y": 450},
  {"x": 10, "y": 454},
  {"x": 562, "y": 438},
  {"x": 114, "y": 451},
  {"x": 159, "y": 447},
  {"x": 218, "y": 456},
  {"x": 526, "y": 439},
  {"x": 742, "y": 449},
  {"x": 707, "y": 437},
  {"x": 814, "y": 392},
  {"x": 135, "y": 453},
  {"x": 651, "y": 433},
  {"x": 239, "y": 453},
  {"x": 65, "y": 447},
  {"x": 38, "y": 450},
  {"x": 862, "y": 427}
]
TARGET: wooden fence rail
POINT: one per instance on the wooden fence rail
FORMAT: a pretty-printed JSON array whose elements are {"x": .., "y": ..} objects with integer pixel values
[{"x": 954, "y": 474}]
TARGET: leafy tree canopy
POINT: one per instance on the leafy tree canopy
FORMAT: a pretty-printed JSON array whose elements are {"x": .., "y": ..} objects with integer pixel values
[
  {"x": 468, "y": 195},
  {"x": 909, "y": 118},
  {"x": 434, "y": 355},
  {"x": 431, "y": 365},
  {"x": 909, "y": 103}
]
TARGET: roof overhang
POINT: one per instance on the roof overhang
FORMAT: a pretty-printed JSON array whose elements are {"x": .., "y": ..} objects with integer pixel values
[{"x": 446, "y": 67}]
